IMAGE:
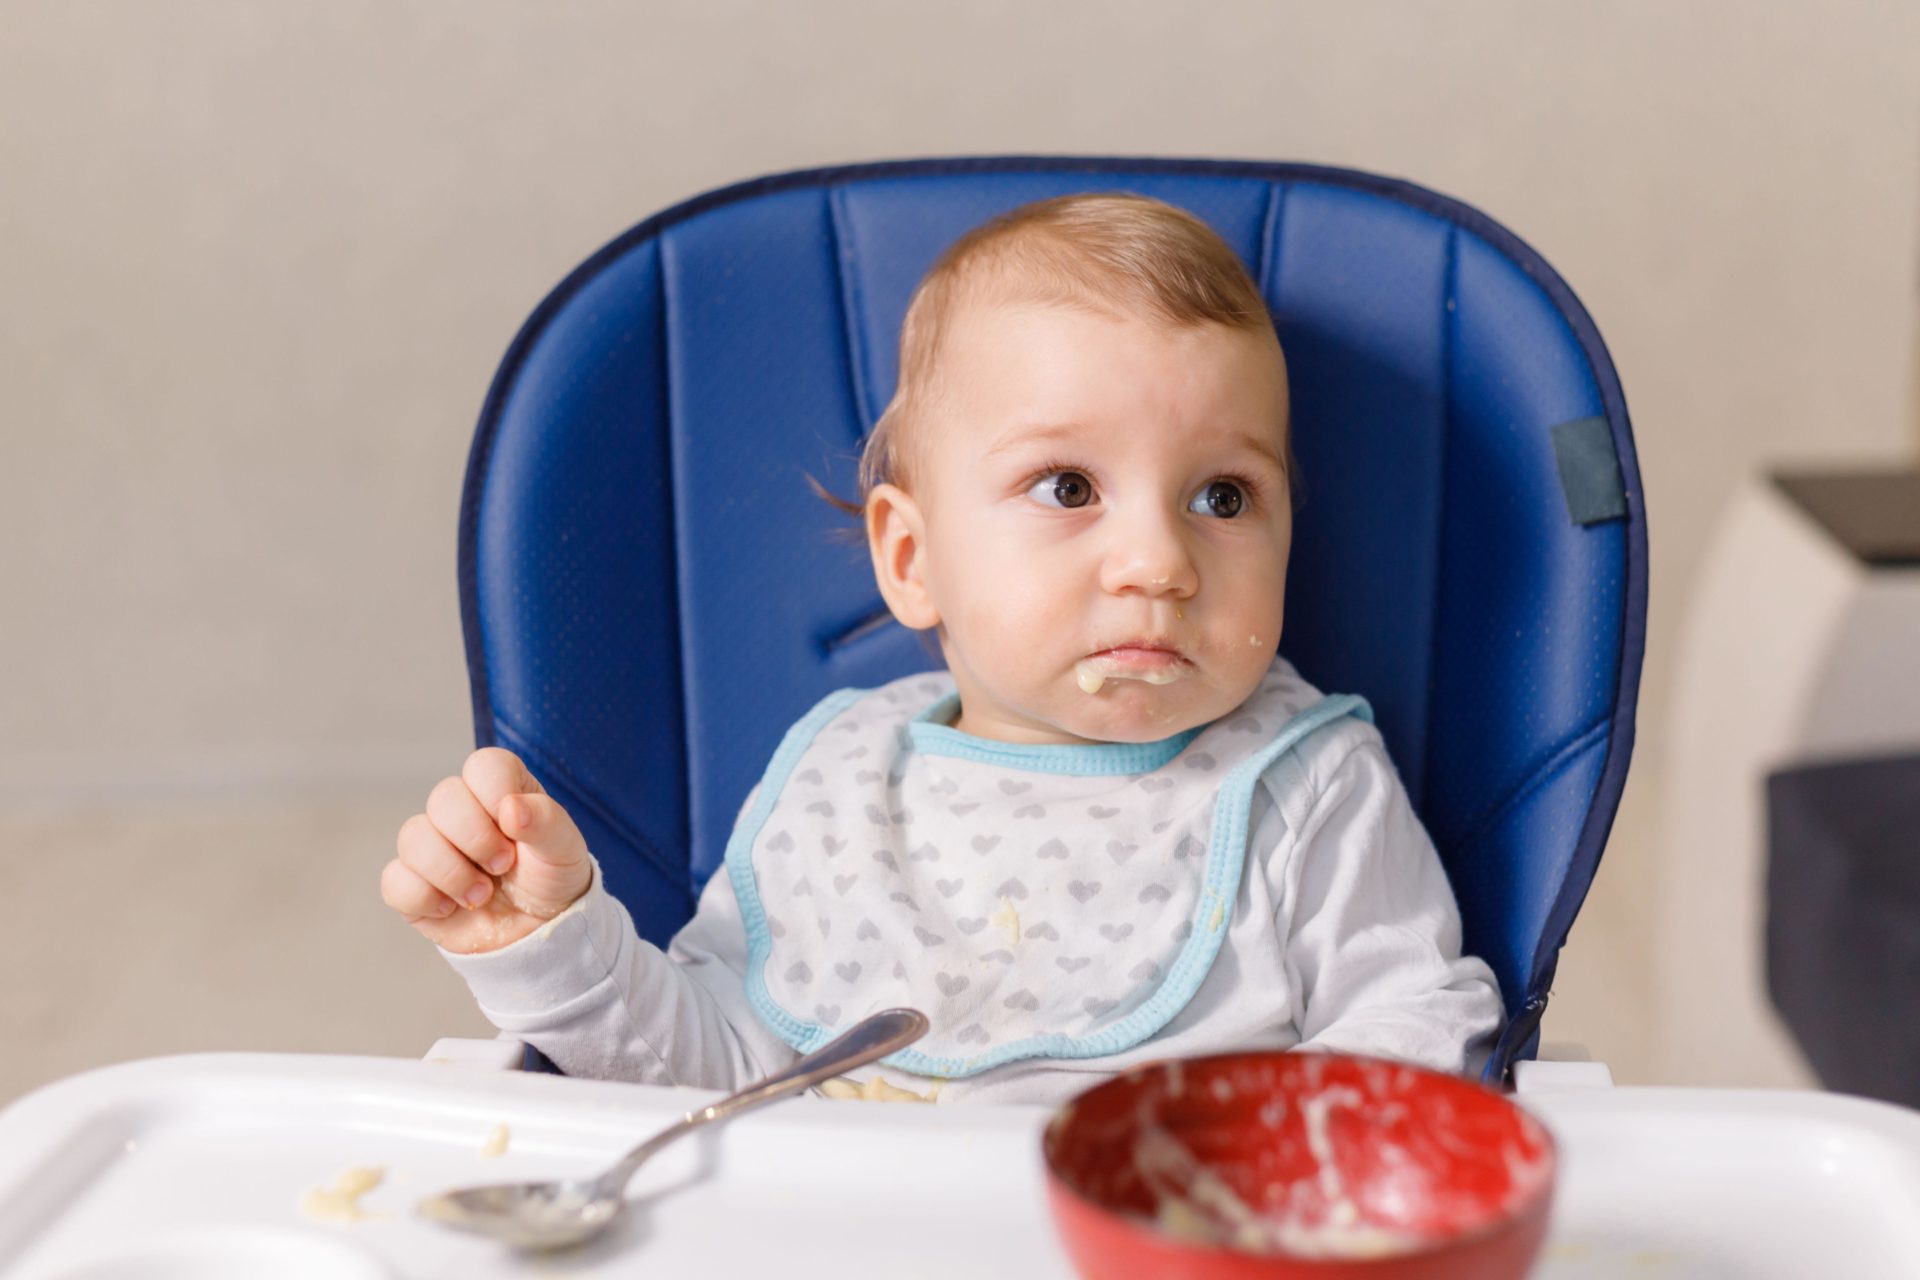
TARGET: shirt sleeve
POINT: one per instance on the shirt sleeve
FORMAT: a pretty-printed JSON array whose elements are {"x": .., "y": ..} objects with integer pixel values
[
  {"x": 602, "y": 1002},
  {"x": 1373, "y": 938}
]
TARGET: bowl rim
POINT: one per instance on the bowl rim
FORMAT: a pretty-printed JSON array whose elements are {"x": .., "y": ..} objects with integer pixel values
[{"x": 1537, "y": 1201}]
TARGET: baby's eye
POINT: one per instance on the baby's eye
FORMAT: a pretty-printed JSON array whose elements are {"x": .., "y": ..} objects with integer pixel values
[
  {"x": 1221, "y": 498},
  {"x": 1062, "y": 489}
]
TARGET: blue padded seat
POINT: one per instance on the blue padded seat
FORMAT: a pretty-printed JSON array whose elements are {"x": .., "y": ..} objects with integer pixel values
[{"x": 651, "y": 593}]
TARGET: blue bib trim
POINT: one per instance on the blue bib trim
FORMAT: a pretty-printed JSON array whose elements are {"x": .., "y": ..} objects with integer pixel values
[
  {"x": 1226, "y": 860},
  {"x": 935, "y": 736}
]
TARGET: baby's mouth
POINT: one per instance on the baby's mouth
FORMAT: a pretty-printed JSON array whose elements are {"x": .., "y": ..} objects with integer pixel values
[{"x": 1152, "y": 663}]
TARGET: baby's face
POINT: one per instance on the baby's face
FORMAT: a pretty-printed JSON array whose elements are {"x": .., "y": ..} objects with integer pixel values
[{"x": 1103, "y": 522}]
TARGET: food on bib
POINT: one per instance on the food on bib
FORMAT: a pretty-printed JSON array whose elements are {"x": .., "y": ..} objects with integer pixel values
[
  {"x": 496, "y": 1143},
  {"x": 1009, "y": 919},
  {"x": 341, "y": 1201}
]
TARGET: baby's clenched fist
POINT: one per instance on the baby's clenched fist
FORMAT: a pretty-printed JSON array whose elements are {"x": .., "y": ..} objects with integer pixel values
[{"x": 492, "y": 859}]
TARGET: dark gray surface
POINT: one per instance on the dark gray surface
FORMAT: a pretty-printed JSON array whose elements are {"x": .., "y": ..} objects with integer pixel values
[
  {"x": 1874, "y": 514},
  {"x": 1843, "y": 920}
]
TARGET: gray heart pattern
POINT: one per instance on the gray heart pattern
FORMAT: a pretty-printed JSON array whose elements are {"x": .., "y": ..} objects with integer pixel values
[{"x": 1132, "y": 914}]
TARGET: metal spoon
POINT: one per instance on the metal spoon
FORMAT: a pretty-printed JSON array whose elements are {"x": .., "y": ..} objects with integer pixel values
[{"x": 549, "y": 1215}]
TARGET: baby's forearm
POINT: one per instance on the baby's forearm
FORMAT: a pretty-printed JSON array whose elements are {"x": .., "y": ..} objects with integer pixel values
[{"x": 602, "y": 1002}]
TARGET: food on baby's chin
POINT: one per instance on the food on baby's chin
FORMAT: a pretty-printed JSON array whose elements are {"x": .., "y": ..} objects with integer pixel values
[
  {"x": 877, "y": 1089},
  {"x": 341, "y": 1201},
  {"x": 496, "y": 1143}
]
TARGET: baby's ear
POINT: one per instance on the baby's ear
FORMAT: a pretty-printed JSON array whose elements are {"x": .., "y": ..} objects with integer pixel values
[{"x": 896, "y": 537}]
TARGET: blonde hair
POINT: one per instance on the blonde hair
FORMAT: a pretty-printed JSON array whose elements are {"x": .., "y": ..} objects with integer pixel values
[{"x": 1107, "y": 252}]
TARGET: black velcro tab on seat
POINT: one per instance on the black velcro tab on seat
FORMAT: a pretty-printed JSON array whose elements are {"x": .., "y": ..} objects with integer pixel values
[{"x": 1589, "y": 471}]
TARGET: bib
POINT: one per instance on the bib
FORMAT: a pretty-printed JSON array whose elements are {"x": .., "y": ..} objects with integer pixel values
[{"x": 1057, "y": 901}]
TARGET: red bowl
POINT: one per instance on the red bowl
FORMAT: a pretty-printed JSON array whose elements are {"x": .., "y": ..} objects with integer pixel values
[{"x": 1301, "y": 1165}]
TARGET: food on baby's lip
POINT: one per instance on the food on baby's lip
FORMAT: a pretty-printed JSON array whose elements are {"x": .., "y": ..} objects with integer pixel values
[
  {"x": 341, "y": 1201},
  {"x": 496, "y": 1143},
  {"x": 1149, "y": 666},
  {"x": 877, "y": 1088},
  {"x": 1298, "y": 1158}
]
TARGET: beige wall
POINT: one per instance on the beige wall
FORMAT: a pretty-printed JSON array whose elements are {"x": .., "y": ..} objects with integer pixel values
[{"x": 257, "y": 263}]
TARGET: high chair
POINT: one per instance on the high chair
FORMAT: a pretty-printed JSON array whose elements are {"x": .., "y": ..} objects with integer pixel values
[{"x": 651, "y": 592}]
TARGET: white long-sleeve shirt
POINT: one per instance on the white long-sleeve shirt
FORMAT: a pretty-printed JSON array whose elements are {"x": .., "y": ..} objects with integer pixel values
[{"x": 1344, "y": 935}]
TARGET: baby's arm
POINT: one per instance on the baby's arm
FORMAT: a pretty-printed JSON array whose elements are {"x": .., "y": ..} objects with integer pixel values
[
  {"x": 1374, "y": 932},
  {"x": 602, "y": 1002}
]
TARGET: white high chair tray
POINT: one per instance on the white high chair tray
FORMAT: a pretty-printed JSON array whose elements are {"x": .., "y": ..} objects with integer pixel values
[{"x": 195, "y": 1166}]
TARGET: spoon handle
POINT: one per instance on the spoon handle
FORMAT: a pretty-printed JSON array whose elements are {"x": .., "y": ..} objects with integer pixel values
[{"x": 870, "y": 1038}]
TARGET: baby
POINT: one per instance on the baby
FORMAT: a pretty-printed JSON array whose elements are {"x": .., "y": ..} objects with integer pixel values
[{"x": 1118, "y": 828}]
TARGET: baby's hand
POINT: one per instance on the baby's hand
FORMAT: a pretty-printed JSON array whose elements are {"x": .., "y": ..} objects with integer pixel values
[{"x": 493, "y": 821}]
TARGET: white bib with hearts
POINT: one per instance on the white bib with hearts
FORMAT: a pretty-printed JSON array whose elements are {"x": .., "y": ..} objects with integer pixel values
[{"x": 1033, "y": 901}]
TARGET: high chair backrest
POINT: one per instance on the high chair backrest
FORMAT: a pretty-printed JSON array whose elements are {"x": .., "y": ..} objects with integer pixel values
[{"x": 652, "y": 593}]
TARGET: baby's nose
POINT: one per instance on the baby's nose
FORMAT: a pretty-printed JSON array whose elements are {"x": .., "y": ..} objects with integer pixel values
[{"x": 1149, "y": 557}]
